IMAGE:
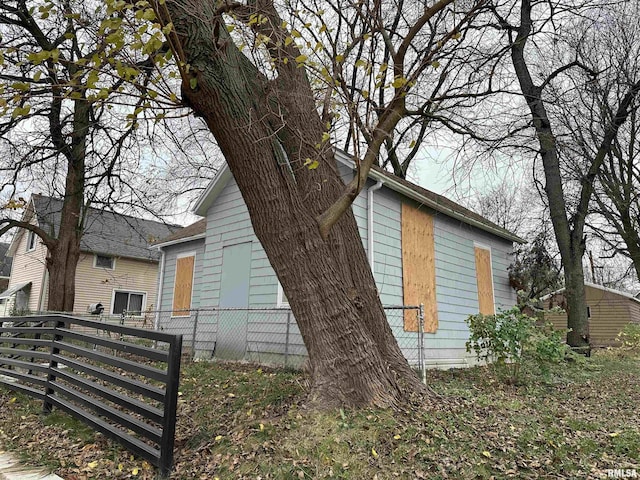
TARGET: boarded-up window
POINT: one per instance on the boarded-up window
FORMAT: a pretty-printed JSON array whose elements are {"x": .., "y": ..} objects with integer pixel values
[
  {"x": 183, "y": 286},
  {"x": 484, "y": 279},
  {"x": 419, "y": 268}
]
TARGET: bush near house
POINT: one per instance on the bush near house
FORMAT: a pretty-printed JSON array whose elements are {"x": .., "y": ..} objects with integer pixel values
[{"x": 509, "y": 338}]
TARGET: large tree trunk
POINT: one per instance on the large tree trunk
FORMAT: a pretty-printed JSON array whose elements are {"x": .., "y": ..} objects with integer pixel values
[{"x": 266, "y": 130}]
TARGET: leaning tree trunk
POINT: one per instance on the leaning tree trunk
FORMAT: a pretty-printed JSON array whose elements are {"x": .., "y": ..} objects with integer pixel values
[{"x": 267, "y": 130}]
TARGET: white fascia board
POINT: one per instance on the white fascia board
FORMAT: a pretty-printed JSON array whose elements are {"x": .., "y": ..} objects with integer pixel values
[
  {"x": 159, "y": 246},
  {"x": 212, "y": 191}
]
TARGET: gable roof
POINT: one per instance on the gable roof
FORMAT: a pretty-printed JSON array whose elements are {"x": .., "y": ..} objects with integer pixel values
[
  {"x": 106, "y": 232},
  {"x": 190, "y": 232},
  {"x": 404, "y": 187},
  {"x": 5, "y": 261}
]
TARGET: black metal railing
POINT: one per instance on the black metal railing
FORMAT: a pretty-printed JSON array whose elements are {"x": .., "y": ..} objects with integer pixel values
[{"x": 122, "y": 381}]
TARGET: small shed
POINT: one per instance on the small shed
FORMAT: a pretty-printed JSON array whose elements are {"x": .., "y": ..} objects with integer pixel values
[{"x": 609, "y": 311}]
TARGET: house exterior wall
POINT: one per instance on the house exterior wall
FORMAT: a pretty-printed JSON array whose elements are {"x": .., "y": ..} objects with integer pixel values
[
  {"x": 610, "y": 312},
  {"x": 171, "y": 253},
  {"x": 29, "y": 267},
  {"x": 97, "y": 285},
  {"x": 228, "y": 224}
]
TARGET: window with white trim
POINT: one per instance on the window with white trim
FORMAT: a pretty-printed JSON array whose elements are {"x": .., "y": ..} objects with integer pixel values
[
  {"x": 104, "y": 261},
  {"x": 132, "y": 302},
  {"x": 31, "y": 241},
  {"x": 282, "y": 301}
]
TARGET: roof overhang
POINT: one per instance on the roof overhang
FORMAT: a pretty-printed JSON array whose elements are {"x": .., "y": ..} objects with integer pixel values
[
  {"x": 409, "y": 193},
  {"x": 597, "y": 287},
  {"x": 13, "y": 290},
  {"x": 224, "y": 175},
  {"x": 213, "y": 190},
  {"x": 159, "y": 246}
]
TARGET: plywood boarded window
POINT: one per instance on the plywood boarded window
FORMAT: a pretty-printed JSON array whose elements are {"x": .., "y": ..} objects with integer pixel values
[
  {"x": 419, "y": 268},
  {"x": 484, "y": 280},
  {"x": 183, "y": 286}
]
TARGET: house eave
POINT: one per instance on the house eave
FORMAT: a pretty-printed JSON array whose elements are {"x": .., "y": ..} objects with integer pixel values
[
  {"x": 159, "y": 246},
  {"x": 407, "y": 192},
  {"x": 212, "y": 191}
]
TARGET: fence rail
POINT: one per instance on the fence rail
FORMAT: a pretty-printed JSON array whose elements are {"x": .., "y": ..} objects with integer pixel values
[{"x": 122, "y": 381}]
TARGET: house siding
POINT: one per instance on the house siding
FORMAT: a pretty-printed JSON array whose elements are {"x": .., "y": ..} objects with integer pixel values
[
  {"x": 228, "y": 223},
  {"x": 610, "y": 312},
  {"x": 456, "y": 287},
  {"x": 29, "y": 267},
  {"x": 171, "y": 254},
  {"x": 96, "y": 285}
]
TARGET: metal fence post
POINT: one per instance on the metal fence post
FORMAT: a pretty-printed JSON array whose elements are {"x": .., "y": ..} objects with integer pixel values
[
  {"x": 423, "y": 363},
  {"x": 193, "y": 338},
  {"x": 286, "y": 340}
]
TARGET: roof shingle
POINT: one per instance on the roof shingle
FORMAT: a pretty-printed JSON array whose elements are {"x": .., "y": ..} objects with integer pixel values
[{"x": 107, "y": 232}]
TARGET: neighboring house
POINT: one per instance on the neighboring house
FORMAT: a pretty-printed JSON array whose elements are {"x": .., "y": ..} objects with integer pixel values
[
  {"x": 116, "y": 266},
  {"x": 608, "y": 310},
  {"x": 423, "y": 248},
  {"x": 5, "y": 267}
]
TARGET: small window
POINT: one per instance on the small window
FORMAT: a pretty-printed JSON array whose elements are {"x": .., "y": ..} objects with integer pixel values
[
  {"x": 283, "y": 301},
  {"x": 132, "y": 302},
  {"x": 104, "y": 261},
  {"x": 31, "y": 241},
  {"x": 588, "y": 312}
]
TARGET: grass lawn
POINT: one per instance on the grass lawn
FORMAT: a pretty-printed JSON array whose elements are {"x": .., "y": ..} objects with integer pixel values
[{"x": 249, "y": 422}]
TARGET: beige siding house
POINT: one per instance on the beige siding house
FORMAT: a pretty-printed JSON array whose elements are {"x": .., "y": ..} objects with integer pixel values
[
  {"x": 609, "y": 311},
  {"x": 116, "y": 267}
]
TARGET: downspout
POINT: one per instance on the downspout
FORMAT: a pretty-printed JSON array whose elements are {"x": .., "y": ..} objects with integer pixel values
[
  {"x": 156, "y": 325},
  {"x": 370, "y": 191}
]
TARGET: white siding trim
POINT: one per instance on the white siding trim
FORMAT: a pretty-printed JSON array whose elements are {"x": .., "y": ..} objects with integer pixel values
[{"x": 280, "y": 303}]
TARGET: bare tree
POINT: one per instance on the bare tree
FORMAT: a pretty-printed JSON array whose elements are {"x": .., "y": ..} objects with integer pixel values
[
  {"x": 617, "y": 197},
  {"x": 552, "y": 69},
  {"x": 76, "y": 83}
]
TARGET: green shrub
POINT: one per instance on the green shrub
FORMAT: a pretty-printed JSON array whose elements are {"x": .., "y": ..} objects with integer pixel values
[
  {"x": 630, "y": 336},
  {"x": 509, "y": 337}
]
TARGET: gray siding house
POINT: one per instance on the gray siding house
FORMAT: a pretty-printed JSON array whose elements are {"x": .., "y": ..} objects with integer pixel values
[{"x": 423, "y": 248}]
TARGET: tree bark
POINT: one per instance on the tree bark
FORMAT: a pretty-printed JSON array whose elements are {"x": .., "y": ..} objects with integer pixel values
[
  {"x": 266, "y": 130},
  {"x": 63, "y": 252}
]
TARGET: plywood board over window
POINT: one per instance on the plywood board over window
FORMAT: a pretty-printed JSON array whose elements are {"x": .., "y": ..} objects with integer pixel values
[
  {"x": 419, "y": 267},
  {"x": 484, "y": 279},
  {"x": 183, "y": 285}
]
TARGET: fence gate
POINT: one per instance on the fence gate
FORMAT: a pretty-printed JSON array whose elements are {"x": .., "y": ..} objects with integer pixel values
[{"x": 108, "y": 376}]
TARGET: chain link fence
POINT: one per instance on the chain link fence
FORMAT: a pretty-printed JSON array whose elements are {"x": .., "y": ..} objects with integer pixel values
[
  {"x": 267, "y": 336},
  {"x": 270, "y": 336}
]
